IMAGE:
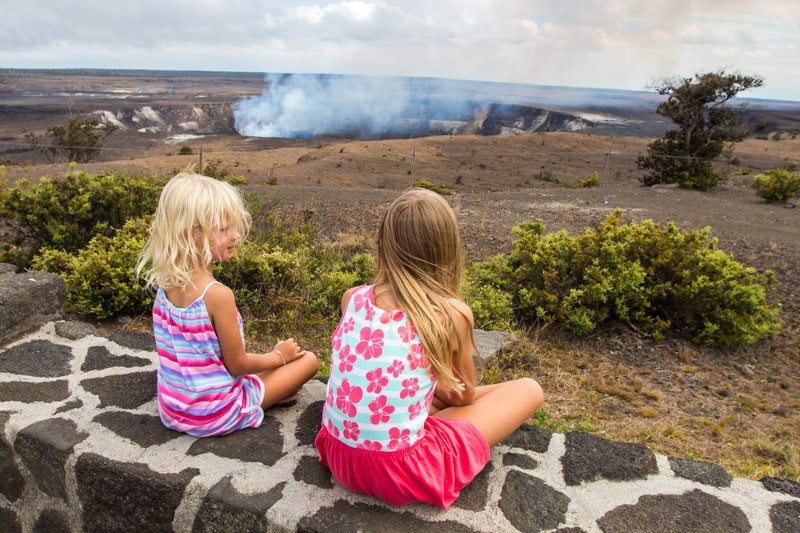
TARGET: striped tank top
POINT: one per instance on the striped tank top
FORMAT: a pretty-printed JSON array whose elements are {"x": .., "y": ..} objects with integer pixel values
[
  {"x": 381, "y": 384},
  {"x": 196, "y": 393}
]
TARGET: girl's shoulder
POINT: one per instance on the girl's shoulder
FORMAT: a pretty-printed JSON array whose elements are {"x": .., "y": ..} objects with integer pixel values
[
  {"x": 349, "y": 293},
  {"x": 216, "y": 294},
  {"x": 462, "y": 308}
]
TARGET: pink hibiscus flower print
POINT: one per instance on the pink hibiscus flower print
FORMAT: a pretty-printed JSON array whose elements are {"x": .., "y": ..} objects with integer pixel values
[
  {"x": 377, "y": 380},
  {"x": 336, "y": 342},
  {"x": 347, "y": 397},
  {"x": 396, "y": 368},
  {"x": 380, "y": 411},
  {"x": 429, "y": 397},
  {"x": 398, "y": 439},
  {"x": 346, "y": 359},
  {"x": 414, "y": 410},
  {"x": 348, "y": 326},
  {"x": 407, "y": 333},
  {"x": 329, "y": 399},
  {"x": 333, "y": 430},
  {"x": 351, "y": 430},
  {"x": 359, "y": 301},
  {"x": 396, "y": 315},
  {"x": 410, "y": 388},
  {"x": 371, "y": 344},
  {"x": 370, "y": 312},
  {"x": 369, "y": 445},
  {"x": 416, "y": 358}
]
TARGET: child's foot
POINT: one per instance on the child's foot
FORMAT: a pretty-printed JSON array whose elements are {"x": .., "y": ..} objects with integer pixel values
[{"x": 292, "y": 397}]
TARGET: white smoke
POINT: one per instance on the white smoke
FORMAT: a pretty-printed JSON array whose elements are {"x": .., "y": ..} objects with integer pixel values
[{"x": 305, "y": 106}]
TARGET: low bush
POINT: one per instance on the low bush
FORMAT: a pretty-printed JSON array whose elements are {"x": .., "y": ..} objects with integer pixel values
[
  {"x": 66, "y": 213},
  {"x": 440, "y": 189},
  {"x": 777, "y": 185},
  {"x": 100, "y": 278},
  {"x": 657, "y": 277}
]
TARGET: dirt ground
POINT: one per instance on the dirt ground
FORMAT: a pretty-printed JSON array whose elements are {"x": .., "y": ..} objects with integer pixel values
[{"x": 737, "y": 407}]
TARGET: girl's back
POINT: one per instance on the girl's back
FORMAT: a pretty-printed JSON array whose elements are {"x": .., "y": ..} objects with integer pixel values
[
  {"x": 381, "y": 384},
  {"x": 196, "y": 393}
]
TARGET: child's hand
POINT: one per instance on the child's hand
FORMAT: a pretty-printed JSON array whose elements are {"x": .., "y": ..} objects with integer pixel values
[{"x": 289, "y": 350}]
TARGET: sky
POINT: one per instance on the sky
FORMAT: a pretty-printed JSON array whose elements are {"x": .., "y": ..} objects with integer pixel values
[{"x": 613, "y": 44}]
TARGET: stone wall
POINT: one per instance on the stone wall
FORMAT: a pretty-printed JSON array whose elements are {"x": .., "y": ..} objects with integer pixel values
[{"x": 82, "y": 449}]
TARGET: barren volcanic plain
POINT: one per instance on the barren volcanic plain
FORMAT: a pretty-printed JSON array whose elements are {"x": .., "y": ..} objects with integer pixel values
[{"x": 736, "y": 407}]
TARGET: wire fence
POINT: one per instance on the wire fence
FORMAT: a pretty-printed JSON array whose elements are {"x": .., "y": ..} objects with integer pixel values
[{"x": 553, "y": 166}]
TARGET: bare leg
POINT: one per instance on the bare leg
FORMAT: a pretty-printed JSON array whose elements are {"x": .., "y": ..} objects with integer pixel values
[
  {"x": 284, "y": 380},
  {"x": 499, "y": 409}
]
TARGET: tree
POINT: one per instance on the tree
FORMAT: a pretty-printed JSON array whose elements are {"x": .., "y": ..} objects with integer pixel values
[
  {"x": 79, "y": 139},
  {"x": 705, "y": 123}
]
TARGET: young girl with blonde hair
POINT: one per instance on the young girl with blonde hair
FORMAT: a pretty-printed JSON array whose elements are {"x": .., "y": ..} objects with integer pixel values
[
  {"x": 403, "y": 419},
  {"x": 207, "y": 383}
]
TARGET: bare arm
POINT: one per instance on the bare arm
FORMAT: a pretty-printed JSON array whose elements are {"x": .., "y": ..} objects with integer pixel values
[
  {"x": 221, "y": 306},
  {"x": 463, "y": 364}
]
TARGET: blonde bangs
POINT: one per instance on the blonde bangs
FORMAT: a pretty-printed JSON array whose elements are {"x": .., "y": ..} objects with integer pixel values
[{"x": 190, "y": 205}]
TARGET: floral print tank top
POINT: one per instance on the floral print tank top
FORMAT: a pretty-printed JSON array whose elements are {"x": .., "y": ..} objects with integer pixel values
[{"x": 381, "y": 384}]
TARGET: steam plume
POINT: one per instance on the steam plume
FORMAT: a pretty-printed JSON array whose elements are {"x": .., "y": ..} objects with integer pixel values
[{"x": 305, "y": 106}]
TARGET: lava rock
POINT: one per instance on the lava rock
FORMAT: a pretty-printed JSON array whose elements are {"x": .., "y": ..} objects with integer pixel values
[
  {"x": 128, "y": 391},
  {"x": 589, "y": 457},
  {"x": 258, "y": 445},
  {"x": 144, "y": 430},
  {"x": 310, "y": 470},
  {"x": 225, "y": 509},
  {"x": 700, "y": 471},
  {"x": 37, "y": 358},
  {"x": 530, "y": 504}
]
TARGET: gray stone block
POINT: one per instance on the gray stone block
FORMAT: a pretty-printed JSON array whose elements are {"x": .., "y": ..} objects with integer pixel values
[
  {"x": 37, "y": 358},
  {"x": 144, "y": 430},
  {"x": 124, "y": 497},
  {"x": 530, "y": 504},
  {"x": 474, "y": 496},
  {"x": 525, "y": 462},
  {"x": 75, "y": 329},
  {"x": 11, "y": 481},
  {"x": 98, "y": 358},
  {"x": 589, "y": 458},
  {"x": 785, "y": 517},
  {"x": 9, "y": 522},
  {"x": 45, "y": 447},
  {"x": 529, "y": 437},
  {"x": 128, "y": 391},
  {"x": 77, "y": 403},
  {"x": 786, "y": 486},
  {"x": 28, "y": 300},
  {"x": 308, "y": 424},
  {"x": 346, "y": 517},
  {"x": 310, "y": 470},
  {"x": 258, "y": 445},
  {"x": 136, "y": 340},
  {"x": 700, "y": 471},
  {"x": 225, "y": 510},
  {"x": 52, "y": 521},
  {"x": 693, "y": 511},
  {"x": 19, "y": 391},
  {"x": 489, "y": 343}
]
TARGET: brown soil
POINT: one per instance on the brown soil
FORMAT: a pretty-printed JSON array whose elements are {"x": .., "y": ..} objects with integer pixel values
[{"x": 737, "y": 407}]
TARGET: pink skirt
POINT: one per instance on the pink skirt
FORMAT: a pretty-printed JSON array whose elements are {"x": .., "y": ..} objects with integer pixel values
[{"x": 434, "y": 470}]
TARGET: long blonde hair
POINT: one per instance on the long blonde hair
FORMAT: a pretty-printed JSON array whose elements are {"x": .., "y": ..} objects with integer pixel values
[
  {"x": 190, "y": 205},
  {"x": 419, "y": 256}
]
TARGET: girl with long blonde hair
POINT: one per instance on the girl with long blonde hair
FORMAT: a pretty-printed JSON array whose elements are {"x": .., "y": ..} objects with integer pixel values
[
  {"x": 207, "y": 383},
  {"x": 403, "y": 419}
]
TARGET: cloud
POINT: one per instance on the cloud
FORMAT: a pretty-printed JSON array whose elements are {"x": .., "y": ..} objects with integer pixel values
[{"x": 614, "y": 43}]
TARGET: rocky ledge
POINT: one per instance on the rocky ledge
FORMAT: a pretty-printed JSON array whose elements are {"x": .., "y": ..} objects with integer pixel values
[{"x": 82, "y": 449}]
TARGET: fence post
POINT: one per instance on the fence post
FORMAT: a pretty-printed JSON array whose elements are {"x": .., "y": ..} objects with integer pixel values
[
  {"x": 608, "y": 166},
  {"x": 200, "y": 171},
  {"x": 413, "y": 158}
]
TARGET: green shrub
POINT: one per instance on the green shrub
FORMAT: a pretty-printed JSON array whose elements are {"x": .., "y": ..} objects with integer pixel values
[
  {"x": 657, "y": 277},
  {"x": 186, "y": 150},
  {"x": 591, "y": 181},
  {"x": 100, "y": 278},
  {"x": 440, "y": 189},
  {"x": 66, "y": 213},
  {"x": 777, "y": 185}
]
